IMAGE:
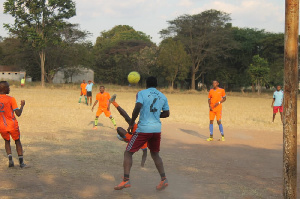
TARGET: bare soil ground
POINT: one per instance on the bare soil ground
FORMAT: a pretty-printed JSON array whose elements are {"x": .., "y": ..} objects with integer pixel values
[{"x": 70, "y": 160}]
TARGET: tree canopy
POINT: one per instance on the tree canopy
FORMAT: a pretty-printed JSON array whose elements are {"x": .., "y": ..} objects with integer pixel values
[{"x": 39, "y": 22}]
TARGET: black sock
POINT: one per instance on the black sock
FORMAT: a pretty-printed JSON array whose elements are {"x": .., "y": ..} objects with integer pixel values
[
  {"x": 21, "y": 159},
  {"x": 163, "y": 176},
  {"x": 9, "y": 157},
  {"x": 126, "y": 177}
]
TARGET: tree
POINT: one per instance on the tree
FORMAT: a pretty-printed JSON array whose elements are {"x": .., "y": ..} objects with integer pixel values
[
  {"x": 173, "y": 60},
  {"x": 206, "y": 37},
  {"x": 70, "y": 52},
  {"x": 272, "y": 49},
  {"x": 38, "y": 22},
  {"x": 116, "y": 53},
  {"x": 259, "y": 71}
]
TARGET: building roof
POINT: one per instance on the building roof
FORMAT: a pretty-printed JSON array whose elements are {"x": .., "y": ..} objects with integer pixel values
[{"x": 9, "y": 68}]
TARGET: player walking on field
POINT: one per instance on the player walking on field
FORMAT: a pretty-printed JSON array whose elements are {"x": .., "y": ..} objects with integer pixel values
[
  {"x": 152, "y": 105},
  {"x": 104, "y": 106},
  {"x": 277, "y": 102},
  {"x": 89, "y": 88},
  {"x": 9, "y": 124},
  {"x": 216, "y": 97},
  {"x": 123, "y": 135},
  {"x": 83, "y": 92}
]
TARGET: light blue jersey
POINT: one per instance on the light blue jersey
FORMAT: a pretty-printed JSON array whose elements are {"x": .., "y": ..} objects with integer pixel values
[
  {"x": 278, "y": 96},
  {"x": 89, "y": 87},
  {"x": 153, "y": 102}
]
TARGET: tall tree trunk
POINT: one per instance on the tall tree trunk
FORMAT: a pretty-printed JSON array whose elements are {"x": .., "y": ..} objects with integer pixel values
[
  {"x": 193, "y": 78},
  {"x": 171, "y": 85},
  {"x": 42, "y": 58},
  {"x": 258, "y": 87},
  {"x": 253, "y": 88}
]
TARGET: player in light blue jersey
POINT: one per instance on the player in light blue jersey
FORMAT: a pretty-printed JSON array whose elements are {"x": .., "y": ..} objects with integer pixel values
[
  {"x": 151, "y": 105},
  {"x": 89, "y": 88},
  {"x": 277, "y": 102}
]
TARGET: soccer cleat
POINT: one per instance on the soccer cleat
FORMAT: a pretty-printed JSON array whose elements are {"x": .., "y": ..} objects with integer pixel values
[
  {"x": 162, "y": 184},
  {"x": 95, "y": 127},
  {"x": 23, "y": 165},
  {"x": 113, "y": 98},
  {"x": 122, "y": 185},
  {"x": 11, "y": 163},
  {"x": 223, "y": 138},
  {"x": 209, "y": 139}
]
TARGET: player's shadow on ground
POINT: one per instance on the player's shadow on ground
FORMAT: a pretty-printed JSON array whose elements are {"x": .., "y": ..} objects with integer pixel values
[
  {"x": 193, "y": 133},
  {"x": 92, "y": 123}
]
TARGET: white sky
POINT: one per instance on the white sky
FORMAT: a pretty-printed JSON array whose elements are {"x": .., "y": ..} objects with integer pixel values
[{"x": 151, "y": 16}]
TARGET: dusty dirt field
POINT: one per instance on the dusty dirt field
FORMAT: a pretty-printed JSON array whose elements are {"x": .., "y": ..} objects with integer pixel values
[{"x": 70, "y": 160}]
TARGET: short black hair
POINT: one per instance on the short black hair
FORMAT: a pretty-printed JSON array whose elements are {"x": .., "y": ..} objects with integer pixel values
[
  {"x": 151, "y": 82},
  {"x": 3, "y": 85},
  {"x": 102, "y": 86}
]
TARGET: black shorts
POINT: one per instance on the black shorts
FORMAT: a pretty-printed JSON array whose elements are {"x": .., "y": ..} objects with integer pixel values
[{"x": 89, "y": 94}]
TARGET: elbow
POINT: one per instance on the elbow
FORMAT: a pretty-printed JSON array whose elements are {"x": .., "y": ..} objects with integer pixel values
[{"x": 168, "y": 114}]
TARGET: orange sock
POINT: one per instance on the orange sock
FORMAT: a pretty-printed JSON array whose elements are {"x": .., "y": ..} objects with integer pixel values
[{"x": 115, "y": 104}]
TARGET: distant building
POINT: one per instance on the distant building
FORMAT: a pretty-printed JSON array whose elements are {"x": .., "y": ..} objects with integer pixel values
[
  {"x": 11, "y": 73},
  {"x": 73, "y": 75}
]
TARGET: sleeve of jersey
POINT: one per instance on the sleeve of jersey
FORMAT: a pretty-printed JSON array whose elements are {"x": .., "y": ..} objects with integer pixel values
[
  {"x": 166, "y": 106},
  {"x": 14, "y": 104},
  {"x": 209, "y": 95},
  {"x": 139, "y": 98},
  {"x": 223, "y": 93}
]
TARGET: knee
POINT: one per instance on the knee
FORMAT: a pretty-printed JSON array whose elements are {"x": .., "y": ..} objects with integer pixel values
[
  {"x": 119, "y": 129},
  {"x": 154, "y": 155},
  {"x": 128, "y": 154}
]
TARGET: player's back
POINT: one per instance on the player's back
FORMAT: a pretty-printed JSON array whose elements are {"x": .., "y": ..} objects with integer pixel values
[
  {"x": 8, "y": 120},
  {"x": 153, "y": 102}
]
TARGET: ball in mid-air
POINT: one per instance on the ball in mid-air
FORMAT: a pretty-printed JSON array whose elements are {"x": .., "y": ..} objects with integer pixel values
[{"x": 133, "y": 77}]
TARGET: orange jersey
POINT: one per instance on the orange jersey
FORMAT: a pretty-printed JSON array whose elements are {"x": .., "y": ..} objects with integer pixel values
[
  {"x": 8, "y": 121},
  {"x": 216, "y": 96},
  {"x": 128, "y": 137},
  {"x": 82, "y": 86},
  {"x": 103, "y": 99}
]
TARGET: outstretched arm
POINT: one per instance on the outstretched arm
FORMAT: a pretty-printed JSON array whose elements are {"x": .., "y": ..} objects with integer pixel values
[
  {"x": 20, "y": 110},
  {"x": 135, "y": 114}
]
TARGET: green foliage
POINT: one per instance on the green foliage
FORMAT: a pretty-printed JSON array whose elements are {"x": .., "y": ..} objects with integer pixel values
[
  {"x": 174, "y": 62},
  {"x": 259, "y": 71},
  {"x": 117, "y": 53},
  {"x": 39, "y": 22},
  {"x": 207, "y": 38},
  {"x": 272, "y": 49}
]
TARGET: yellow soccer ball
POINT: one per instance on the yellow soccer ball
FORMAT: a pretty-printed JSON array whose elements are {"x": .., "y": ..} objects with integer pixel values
[{"x": 133, "y": 77}]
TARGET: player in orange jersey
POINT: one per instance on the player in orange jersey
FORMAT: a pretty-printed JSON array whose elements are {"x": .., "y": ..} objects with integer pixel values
[
  {"x": 83, "y": 92},
  {"x": 216, "y": 97},
  {"x": 123, "y": 135},
  {"x": 8, "y": 123},
  {"x": 104, "y": 106}
]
